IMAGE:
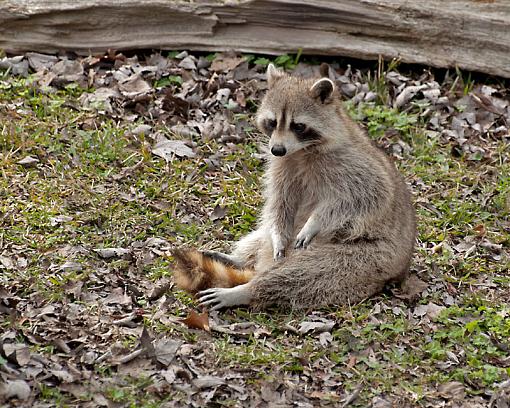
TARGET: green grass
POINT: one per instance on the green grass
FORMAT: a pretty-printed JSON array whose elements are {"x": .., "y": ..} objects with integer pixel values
[{"x": 82, "y": 174}]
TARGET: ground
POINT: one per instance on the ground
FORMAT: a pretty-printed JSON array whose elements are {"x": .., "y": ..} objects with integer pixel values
[{"x": 107, "y": 163}]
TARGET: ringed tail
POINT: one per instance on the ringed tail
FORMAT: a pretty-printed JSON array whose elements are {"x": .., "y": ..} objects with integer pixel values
[{"x": 195, "y": 271}]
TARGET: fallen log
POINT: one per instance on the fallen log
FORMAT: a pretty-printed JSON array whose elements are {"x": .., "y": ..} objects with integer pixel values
[{"x": 471, "y": 34}]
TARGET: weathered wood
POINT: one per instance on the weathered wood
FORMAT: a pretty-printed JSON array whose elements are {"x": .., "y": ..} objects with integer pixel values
[{"x": 474, "y": 35}]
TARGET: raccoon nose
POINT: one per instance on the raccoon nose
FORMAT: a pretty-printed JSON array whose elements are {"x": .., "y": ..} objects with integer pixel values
[{"x": 278, "y": 150}]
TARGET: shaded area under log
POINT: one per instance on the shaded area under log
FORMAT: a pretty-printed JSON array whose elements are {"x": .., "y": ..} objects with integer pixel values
[{"x": 473, "y": 35}]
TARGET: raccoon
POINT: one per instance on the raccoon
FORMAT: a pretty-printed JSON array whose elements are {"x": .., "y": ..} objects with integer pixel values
[{"x": 337, "y": 223}]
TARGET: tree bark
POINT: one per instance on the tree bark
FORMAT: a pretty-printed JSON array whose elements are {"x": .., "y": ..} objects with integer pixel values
[{"x": 471, "y": 34}]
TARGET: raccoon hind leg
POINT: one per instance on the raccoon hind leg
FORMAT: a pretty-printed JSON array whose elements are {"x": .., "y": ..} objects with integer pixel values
[{"x": 247, "y": 250}]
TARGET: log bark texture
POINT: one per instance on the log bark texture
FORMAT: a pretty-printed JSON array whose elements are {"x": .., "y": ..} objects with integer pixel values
[{"x": 471, "y": 34}]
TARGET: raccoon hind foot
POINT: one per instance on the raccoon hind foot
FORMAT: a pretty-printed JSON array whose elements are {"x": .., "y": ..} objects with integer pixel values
[{"x": 218, "y": 298}]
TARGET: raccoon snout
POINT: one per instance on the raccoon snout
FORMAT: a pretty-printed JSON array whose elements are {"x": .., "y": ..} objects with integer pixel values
[{"x": 278, "y": 150}]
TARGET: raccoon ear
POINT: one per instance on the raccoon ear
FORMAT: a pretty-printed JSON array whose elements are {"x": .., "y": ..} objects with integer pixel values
[
  {"x": 273, "y": 74},
  {"x": 324, "y": 70},
  {"x": 323, "y": 89}
]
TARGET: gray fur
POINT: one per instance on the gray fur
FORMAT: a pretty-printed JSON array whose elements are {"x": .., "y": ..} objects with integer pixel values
[{"x": 337, "y": 223}]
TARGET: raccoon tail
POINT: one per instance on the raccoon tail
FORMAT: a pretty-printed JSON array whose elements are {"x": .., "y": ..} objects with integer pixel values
[{"x": 195, "y": 271}]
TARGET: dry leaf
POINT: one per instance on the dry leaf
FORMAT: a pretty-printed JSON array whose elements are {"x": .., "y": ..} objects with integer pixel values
[
  {"x": 188, "y": 63},
  {"x": 168, "y": 149},
  {"x": 225, "y": 63},
  {"x": 28, "y": 161},
  {"x": 100, "y": 99},
  {"x": 316, "y": 327},
  {"x": 208, "y": 381},
  {"x": 325, "y": 338},
  {"x": 197, "y": 321},
  {"x": 381, "y": 402},
  {"x": 68, "y": 70},
  {"x": 107, "y": 253},
  {"x": 175, "y": 105},
  {"x": 6, "y": 262},
  {"x": 165, "y": 350},
  {"x": 63, "y": 375},
  {"x": 351, "y": 362},
  {"x": 71, "y": 266},
  {"x": 169, "y": 375},
  {"x": 327, "y": 396},
  {"x": 18, "y": 389},
  {"x": 218, "y": 213},
  {"x": 431, "y": 310},
  {"x": 134, "y": 86},
  {"x": 60, "y": 219},
  {"x": 16, "y": 65},
  {"x": 18, "y": 353},
  {"x": 40, "y": 61},
  {"x": 452, "y": 390},
  {"x": 118, "y": 297}
]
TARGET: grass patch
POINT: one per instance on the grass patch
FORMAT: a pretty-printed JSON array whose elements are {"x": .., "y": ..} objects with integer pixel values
[{"x": 95, "y": 186}]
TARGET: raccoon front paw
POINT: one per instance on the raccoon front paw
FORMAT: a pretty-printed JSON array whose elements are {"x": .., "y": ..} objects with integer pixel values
[
  {"x": 278, "y": 254},
  {"x": 278, "y": 246},
  {"x": 307, "y": 233},
  {"x": 303, "y": 240}
]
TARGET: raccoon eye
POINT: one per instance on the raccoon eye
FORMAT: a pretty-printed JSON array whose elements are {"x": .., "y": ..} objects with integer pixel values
[
  {"x": 270, "y": 124},
  {"x": 298, "y": 128}
]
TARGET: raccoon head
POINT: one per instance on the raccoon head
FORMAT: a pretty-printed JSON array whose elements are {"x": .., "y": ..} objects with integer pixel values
[{"x": 297, "y": 113}]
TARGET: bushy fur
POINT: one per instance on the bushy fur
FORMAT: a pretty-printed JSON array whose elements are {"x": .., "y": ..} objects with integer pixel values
[
  {"x": 195, "y": 271},
  {"x": 337, "y": 222}
]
